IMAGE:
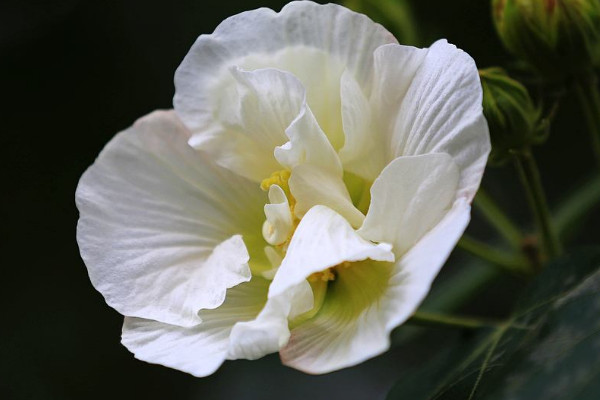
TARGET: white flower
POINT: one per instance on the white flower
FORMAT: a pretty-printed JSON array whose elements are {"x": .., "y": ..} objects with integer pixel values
[{"x": 329, "y": 176}]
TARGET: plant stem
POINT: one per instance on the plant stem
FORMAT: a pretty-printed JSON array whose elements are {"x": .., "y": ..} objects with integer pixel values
[
  {"x": 454, "y": 321},
  {"x": 589, "y": 101},
  {"x": 530, "y": 177},
  {"x": 497, "y": 257},
  {"x": 576, "y": 206},
  {"x": 498, "y": 219}
]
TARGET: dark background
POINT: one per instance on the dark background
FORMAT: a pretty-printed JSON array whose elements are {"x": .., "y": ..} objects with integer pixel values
[{"x": 75, "y": 72}]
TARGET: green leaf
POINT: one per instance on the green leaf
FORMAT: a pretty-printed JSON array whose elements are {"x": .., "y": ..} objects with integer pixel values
[{"x": 549, "y": 348}]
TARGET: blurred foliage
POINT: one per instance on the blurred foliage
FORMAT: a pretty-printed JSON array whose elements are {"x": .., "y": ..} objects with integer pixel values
[
  {"x": 546, "y": 350},
  {"x": 558, "y": 38}
]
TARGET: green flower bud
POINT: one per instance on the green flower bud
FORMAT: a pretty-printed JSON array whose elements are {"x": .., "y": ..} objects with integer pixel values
[
  {"x": 556, "y": 37},
  {"x": 514, "y": 121}
]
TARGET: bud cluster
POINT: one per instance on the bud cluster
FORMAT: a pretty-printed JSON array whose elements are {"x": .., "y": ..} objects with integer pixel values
[
  {"x": 514, "y": 121},
  {"x": 556, "y": 37}
]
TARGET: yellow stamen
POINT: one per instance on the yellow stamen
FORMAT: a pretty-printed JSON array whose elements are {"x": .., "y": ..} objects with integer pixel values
[
  {"x": 329, "y": 274},
  {"x": 279, "y": 178},
  {"x": 325, "y": 276}
]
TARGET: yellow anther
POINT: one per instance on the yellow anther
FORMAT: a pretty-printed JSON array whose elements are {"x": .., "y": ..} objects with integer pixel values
[
  {"x": 329, "y": 274},
  {"x": 325, "y": 276},
  {"x": 279, "y": 178}
]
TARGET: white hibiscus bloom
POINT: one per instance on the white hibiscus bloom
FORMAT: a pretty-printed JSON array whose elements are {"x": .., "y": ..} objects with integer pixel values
[{"x": 301, "y": 198}]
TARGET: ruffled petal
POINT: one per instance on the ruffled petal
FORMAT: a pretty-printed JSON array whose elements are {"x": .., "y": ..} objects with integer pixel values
[
  {"x": 364, "y": 152},
  {"x": 312, "y": 186},
  {"x": 409, "y": 198},
  {"x": 269, "y": 332},
  {"x": 442, "y": 113},
  {"x": 367, "y": 148},
  {"x": 317, "y": 173},
  {"x": 226, "y": 267},
  {"x": 322, "y": 240},
  {"x": 308, "y": 145},
  {"x": 158, "y": 221},
  {"x": 347, "y": 38},
  {"x": 278, "y": 225},
  {"x": 349, "y": 327},
  {"x": 394, "y": 69},
  {"x": 369, "y": 299},
  {"x": 201, "y": 349},
  {"x": 251, "y": 120}
]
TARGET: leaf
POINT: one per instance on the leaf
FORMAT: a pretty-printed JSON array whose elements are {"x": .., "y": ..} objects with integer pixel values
[{"x": 549, "y": 348}]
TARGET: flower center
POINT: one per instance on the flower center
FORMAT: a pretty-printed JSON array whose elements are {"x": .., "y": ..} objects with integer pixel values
[
  {"x": 280, "y": 178},
  {"x": 281, "y": 222},
  {"x": 329, "y": 274},
  {"x": 355, "y": 286}
]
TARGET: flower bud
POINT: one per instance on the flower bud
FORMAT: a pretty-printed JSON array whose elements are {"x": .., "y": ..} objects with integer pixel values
[
  {"x": 556, "y": 37},
  {"x": 513, "y": 119}
]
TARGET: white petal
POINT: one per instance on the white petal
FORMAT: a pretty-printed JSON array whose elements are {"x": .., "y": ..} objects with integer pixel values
[
  {"x": 394, "y": 68},
  {"x": 151, "y": 212},
  {"x": 226, "y": 267},
  {"x": 196, "y": 350},
  {"x": 278, "y": 226},
  {"x": 269, "y": 331},
  {"x": 312, "y": 186},
  {"x": 409, "y": 198},
  {"x": 368, "y": 149},
  {"x": 368, "y": 300},
  {"x": 275, "y": 257},
  {"x": 201, "y": 349},
  {"x": 316, "y": 169},
  {"x": 308, "y": 145},
  {"x": 319, "y": 72},
  {"x": 250, "y": 120},
  {"x": 348, "y": 37},
  {"x": 442, "y": 113},
  {"x": 349, "y": 327},
  {"x": 364, "y": 152},
  {"x": 322, "y": 240},
  {"x": 416, "y": 270},
  {"x": 272, "y": 99}
]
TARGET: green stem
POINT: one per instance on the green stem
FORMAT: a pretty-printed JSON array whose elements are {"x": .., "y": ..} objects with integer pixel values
[
  {"x": 570, "y": 213},
  {"x": 498, "y": 219},
  {"x": 512, "y": 263},
  {"x": 454, "y": 321},
  {"x": 589, "y": 101},
  {"x": 530, "y": 177}
]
